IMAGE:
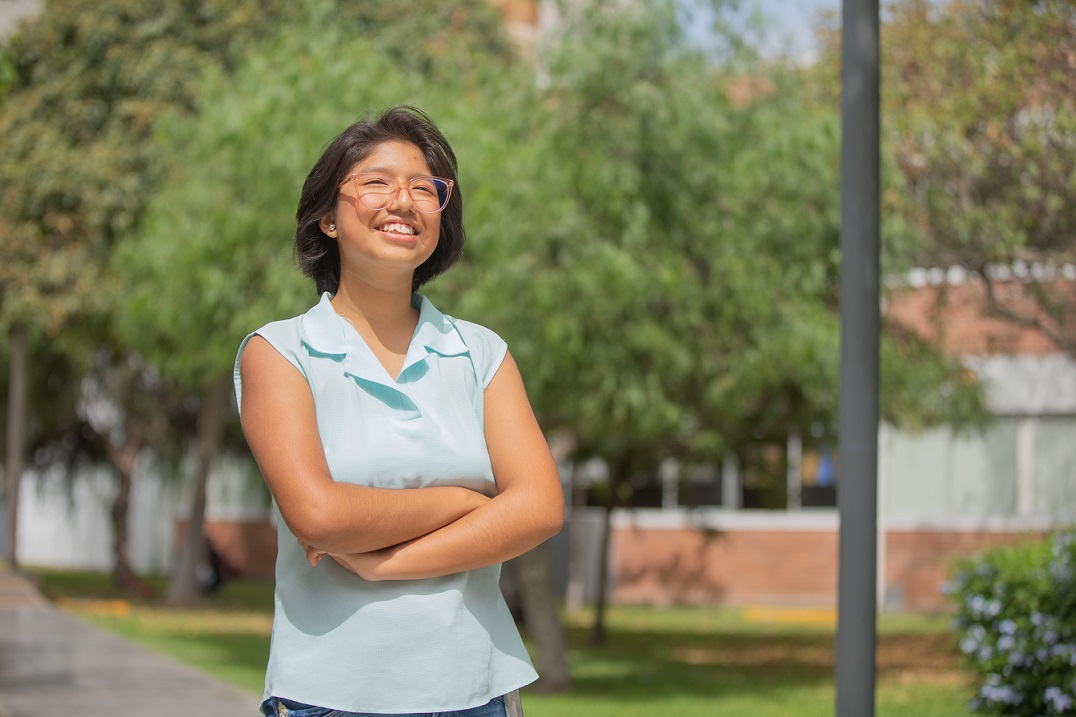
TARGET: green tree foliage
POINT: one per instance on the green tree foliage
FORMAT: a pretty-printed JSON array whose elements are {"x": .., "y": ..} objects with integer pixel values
[
  {"x": 663, "y": 260},
  {"x": 85, "y": 82},
  {"x": 90, "y": 78},
  {"x": 671, "y": 256},
  {"x": 980, "y": 117},
  {"x": 213, "y": 260}
]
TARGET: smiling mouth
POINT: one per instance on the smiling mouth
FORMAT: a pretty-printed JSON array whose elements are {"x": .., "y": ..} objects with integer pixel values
[{"x": 397, "y": 228}]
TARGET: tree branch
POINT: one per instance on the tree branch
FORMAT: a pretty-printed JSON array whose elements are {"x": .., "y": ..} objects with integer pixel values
[{"x": 995, "y": 308}]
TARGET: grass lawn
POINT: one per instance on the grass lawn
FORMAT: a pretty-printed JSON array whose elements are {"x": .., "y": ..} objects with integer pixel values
[{"x": 677, "y": 662}]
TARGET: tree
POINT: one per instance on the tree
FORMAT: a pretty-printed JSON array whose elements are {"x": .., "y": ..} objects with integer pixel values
[
  {"x": 662, "y": 260},
  {"x": 84, "y": 85},
  {"x": 979, "y": 112},
  {"x": 15, "y": 433}
]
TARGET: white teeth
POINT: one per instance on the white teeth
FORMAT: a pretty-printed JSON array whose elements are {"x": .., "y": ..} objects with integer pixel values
[{"x": 398, "y": 228}]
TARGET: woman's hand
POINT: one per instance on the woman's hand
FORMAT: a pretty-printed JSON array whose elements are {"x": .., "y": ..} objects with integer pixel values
[
  {"x": 313, "y": 555},
  {"x": 365, "y": 565}
]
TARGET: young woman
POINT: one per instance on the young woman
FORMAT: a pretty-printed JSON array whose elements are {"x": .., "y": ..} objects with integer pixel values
[{"x": 399, "y": 446}]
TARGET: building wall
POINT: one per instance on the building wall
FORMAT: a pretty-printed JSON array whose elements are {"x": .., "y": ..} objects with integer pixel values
[
  {"x": 950, "y": 312},
  {"x": 735, "y": 566},
  {"x": 1017, "y": 466},
  {"x": 246, "y": 548},
  {"x": 65, "y": 521},
  {"x": 667, "y": 557},
  {"x": 919, "y": 563}
]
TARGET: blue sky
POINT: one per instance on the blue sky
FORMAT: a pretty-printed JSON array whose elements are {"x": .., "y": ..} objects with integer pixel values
[
  {"x": 787, "y": 24},
  {"x": 791, "y": 20}
]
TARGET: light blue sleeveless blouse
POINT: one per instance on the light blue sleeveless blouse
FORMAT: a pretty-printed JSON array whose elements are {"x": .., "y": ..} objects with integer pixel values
[{"x": 432, "y": 645}]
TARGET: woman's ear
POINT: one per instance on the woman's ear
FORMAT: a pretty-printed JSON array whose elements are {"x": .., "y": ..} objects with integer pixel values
[{"x": 328, "y": 225}]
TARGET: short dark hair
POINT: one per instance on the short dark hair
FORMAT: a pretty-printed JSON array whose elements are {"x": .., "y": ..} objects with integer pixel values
[{"x": 318, "y": 254}]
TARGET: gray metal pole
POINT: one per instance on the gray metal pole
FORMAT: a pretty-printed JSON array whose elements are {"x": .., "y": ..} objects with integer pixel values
[{"x": 860, "y": 335}]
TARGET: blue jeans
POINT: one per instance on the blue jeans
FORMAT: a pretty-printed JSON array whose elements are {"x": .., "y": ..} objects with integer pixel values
[{"x": 278, "y": 707}]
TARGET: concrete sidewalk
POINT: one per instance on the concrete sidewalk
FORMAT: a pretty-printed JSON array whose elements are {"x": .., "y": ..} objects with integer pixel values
[{"x": 53, "y": 665}]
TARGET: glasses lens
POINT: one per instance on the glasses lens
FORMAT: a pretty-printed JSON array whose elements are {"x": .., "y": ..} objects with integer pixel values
[
  {"x": 428, "y": 194},
  {"x": 374, "y": 190}
]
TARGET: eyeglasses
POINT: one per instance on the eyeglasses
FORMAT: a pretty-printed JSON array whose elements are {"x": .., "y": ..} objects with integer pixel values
[{"x": 429, "y": 195}]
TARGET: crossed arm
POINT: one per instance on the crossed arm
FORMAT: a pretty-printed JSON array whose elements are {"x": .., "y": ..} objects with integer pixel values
[{"x": 390, "y": 534}]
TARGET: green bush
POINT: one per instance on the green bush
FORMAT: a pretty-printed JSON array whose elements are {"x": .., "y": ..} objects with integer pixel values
[{"x": 1016, "y": 618}]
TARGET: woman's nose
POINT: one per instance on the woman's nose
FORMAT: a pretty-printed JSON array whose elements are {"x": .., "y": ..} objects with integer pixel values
[{"x": 402, "y": 190}]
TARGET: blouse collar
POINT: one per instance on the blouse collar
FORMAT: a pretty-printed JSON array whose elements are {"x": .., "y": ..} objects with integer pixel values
[{"x": 326, "y": 332}]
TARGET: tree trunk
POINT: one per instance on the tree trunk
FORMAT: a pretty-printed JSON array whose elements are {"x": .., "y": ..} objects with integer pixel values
[
  {"x": 575, "y": 597},
  {"x": 124, "y": 459},
  {"x": 597, "y": 635},
  {"x": 123, "y": 572},
  {"x": 16, "y": 438},
  {"x": 619, "y": 473},
  {"x": 183, "y": 588},
  {"x": 535, "y": 580}
]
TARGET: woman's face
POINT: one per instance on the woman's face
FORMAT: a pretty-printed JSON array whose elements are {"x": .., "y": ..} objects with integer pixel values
[{"x": 384, "y": 245}]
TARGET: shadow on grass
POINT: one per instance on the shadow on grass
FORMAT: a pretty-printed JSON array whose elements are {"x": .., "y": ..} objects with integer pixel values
[
  {"x": 59, "y": 584},
  {"x": 656, "y": 664}
]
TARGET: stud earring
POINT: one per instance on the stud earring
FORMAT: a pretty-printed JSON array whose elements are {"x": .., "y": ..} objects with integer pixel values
[{"x": 332, "y": 227}]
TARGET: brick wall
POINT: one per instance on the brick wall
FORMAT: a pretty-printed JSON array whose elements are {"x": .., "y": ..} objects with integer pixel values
[
  {"x": 919, "y": 563},
  {"x": 954, "y": 317},
  {"x": 734, "y": 567},
  {"x": 247, "y": 547},
  {"x": 745, "y": 564}
]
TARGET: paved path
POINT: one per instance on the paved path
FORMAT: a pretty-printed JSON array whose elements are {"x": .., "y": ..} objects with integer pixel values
[{"x": 54, "y": 665}]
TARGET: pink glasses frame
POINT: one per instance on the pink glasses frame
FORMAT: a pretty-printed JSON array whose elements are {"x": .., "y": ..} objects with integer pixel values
[{"x": 400, "y": 186}]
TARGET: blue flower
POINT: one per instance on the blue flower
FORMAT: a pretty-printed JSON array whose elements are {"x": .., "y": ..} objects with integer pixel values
[
  {"x": 1057, "y": 699},
  {"x": 1002, "y": 694}
]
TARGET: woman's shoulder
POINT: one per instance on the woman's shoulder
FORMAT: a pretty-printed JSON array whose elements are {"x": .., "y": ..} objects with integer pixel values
[
  {"x": 473, "y": 333},
  {"x": 283, "y": 332},
  {"x": 285, "y": 336},
  {"x": 486, "y": 347}
]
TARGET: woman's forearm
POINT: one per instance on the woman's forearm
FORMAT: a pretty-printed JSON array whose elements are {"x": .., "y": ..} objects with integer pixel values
[
  {"x": 357, "y": 519},
  {"x": 509, "y": 525}
]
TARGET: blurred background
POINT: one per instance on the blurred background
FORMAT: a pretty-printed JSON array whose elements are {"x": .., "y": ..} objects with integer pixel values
[{"x": 652, "y": 203}]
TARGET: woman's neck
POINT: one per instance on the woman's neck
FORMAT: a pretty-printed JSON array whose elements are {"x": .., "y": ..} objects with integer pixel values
[{"x": 377, "y": 307}]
